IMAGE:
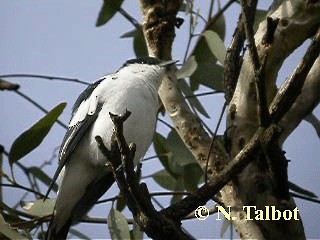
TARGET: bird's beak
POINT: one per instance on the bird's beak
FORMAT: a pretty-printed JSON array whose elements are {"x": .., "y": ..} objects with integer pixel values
[{"x": 168, "y": 63}]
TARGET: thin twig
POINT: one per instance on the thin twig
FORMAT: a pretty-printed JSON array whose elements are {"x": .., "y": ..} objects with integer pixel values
[
  {"x": 203, "y": 94},
  {"x": 111, "y": 199},
  {"x": 131, "y": 19},
  {"x": 39, "y": 106},
  {"x": 213, "y": 20},
  {"x": 212, "y": 142},
  {"x": 304, "y": 197},
  {"x": 191, "y": 30},
  {"x": 210, "y": 9},
  {"x": 102, "y": 220},
  {"x": 16, "y": 185},
  {"x": 24, "y": 75},
  {"x": 149, "y": 158},
  {"x": 165, "y": 123}
]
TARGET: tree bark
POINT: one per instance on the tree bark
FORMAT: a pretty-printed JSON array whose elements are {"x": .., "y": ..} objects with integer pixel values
[{"x": 296, "y": 23}]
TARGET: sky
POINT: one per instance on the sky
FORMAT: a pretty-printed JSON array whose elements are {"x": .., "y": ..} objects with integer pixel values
[{"x": 59, "y": 38}]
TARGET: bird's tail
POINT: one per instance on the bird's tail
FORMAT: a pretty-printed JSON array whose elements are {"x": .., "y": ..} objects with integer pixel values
[
  {"x": 57, "y": 234},
  {"x": 93, "y": 192}
]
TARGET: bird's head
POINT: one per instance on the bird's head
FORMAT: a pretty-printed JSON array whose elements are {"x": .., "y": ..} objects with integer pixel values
[{"x": 147, "y": 68}]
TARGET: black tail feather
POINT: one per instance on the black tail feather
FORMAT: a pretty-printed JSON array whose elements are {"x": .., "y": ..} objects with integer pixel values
[
  {"x": 54, "y": 234},
  {"x": 93, "y": 192}
]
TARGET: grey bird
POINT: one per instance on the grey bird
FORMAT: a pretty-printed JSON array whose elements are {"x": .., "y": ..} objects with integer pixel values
[{"x": 134, "y": 87}]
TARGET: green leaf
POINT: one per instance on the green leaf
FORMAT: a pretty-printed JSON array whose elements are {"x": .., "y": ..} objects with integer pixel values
[
  {"x": 214, "y": 82},
  {"x": 216, "y": 45},
  {"x": 173, "y": 154},
  {"x": 39, "y": 208},
  {"x": 130, "y": 34},
  {"x": 9, "y": 232},
  {"x": 121, "y": 203},
  {"x": 183, "y": 85},
  {"x": 32, "y": 137},
  {"x": 187, "y": 68},
  {"x": 175, "y": 198},
  {"x": 139, "y": 43},
  {"x": 259, "y": 17},
  {"x": 161, "y": 148},
  {"x": 118, "y": 225},
  {"x": 165, "y": 180},
  {"x": 136, "y": 233},
  {"x": 181, "y": 169},
  {"x": 208, "y": 73},
  {"x": 181, "y": 153},
  {"x": 220, "y": 26},
  {"x": 165, "y": 155},
  {"x": 11, "y": 212},
  {"x": 191, "y": 176},
  {"x": 78, "y": 234},
  {"x": 179, "y": 187},
  {"x": 298, "y": 189},
  {"x": 107, "y": 11},
  {"x": 43, "y": 177}
]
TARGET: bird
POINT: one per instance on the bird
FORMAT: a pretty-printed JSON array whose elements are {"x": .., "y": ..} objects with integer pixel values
[{"x": 85, "y": 175}]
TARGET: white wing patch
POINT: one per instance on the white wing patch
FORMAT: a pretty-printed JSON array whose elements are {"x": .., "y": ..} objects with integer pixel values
[{"x": 88, "y": 107}]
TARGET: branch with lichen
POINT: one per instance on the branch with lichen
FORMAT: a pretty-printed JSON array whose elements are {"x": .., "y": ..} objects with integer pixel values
[{"x": 274, "y": 42}]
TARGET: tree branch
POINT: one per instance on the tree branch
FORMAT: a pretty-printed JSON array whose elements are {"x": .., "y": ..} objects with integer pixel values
[
  {"x": 166, "y": 222},
  {"x": 304, "y": 104},
  {"x": 248, "y": 12},
  {"x": 291, "y": 89},
  {"x": 233, "y": 61},
  {"x": 121, "y": 156},
  {"x": 5, "y": 85},
  {"x": 186, "y": 123},
  {"x": 275, "y": 39},
  {"x": 23, "y": 75},
  {"x": 180, "y": 209}
]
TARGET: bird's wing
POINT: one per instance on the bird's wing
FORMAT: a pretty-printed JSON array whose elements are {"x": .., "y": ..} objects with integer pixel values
[{"x": 85, "y": 112}]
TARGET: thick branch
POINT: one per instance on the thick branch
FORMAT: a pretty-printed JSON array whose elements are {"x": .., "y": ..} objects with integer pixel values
[
  {"x": 5, "y": 85},
  {"x": 304, "y": 104},
  {"x": 275, "y": 39},
  {"x": 205, "y": 193},
  {"x": 291, "y": 89},
  {"x": 233, "y": 61},
  {"x": 300, "y": 22},
  {"x": 186, "y": 123},
  {"x": 258, "y": 68}
]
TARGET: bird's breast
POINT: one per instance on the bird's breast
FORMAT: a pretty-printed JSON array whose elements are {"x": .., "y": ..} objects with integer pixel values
[{"x": 138, "y": 128}]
